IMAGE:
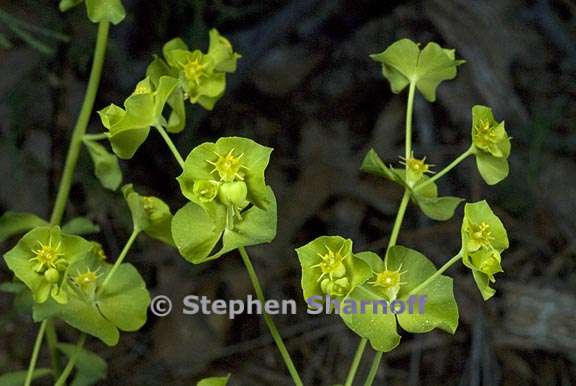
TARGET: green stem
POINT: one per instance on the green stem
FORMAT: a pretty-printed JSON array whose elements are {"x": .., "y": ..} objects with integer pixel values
[
  {"x": 81, "y": 124},
  {"x": 120, "y": 258},
  {"x": 399, "y": 215},
  {"x": 356, "y": 362},
  {"x": 440, "y": 271},
  {"x": 399, "y": 219},
  {"x": 171, "y": 146},
  {"x": 71, "y": 362},
  {"x": 374, "y": 368},
  {"x": 442, "y": 172},
  {"x": 96, "y": 137},
  {"x": 35, "y": 352},
  {"x": 52, "y": 339},
  {"x": 268, "y": 320},
  {"x": 409, "y": 109}
]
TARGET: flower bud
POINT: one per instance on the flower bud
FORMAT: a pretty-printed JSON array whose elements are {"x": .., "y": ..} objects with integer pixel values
[
  {"x": 233, "y": 194},
  {"x": 51, "y": 275},
  {"x": 205, "y": 190}
]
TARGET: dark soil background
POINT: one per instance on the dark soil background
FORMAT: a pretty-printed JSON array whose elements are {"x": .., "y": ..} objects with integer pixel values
[{"x": 306, "y": 87}]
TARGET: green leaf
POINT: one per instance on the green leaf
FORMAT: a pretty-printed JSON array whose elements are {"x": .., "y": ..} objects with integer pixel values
[
  {"x": 214, "y": 381},
  {"x": 91, "y": 368},
  {"x": 106, "y": 166},
  {"x": 379, "y": 328},
  {"x": 222, "y": 53},
  {"x": 105, "y": 10},
  {"x": 17, "y": 378},
  {"x": 438, "y": 208},
  {"x": 492, "y": 169},
  {"x": 441, "y": 310},
  {"x": 65, "y": 5},
  {"x": 13, "y": 223},
  {"x": 403, "y": 63},
  {"x": 80, "y": 226},
  {"x": 483, "y": 283},
  {"x": 373, "y": 164},
  {"x": 101, "y": 312},
  {"x": 196, "y": 232}
]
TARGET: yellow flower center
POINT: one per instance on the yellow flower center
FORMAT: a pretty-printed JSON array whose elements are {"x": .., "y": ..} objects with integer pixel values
[
  {"x": 142, "y": 89},
  {"x": 387, "y": 279},
  {"x": 48, "y": 256},
  {"x": 331, "y": 264},
  {"x": 194, "y": 70},
  {"x": 481, "y": 233},
  {"x": 86, "y": 278},
  {"x": 485, "y": 134},
  {"x": 228, "y": 167},
  {"x": 416, "y": 167}
]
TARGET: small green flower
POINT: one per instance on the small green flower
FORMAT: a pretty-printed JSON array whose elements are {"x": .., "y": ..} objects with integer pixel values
[
  {"x": 202, "y": 75},
  {"x": 149, "y": 214},
  {"x": 41, "y": 260},
  {"x": 415, "y": 169},
  {"x": 330, "y": 268},
  {"x": 229, "y": 173},
  {"x": 129, "y": 127},
  {"x": 491, "y": 145},
  {"x": 484, "y": 238}
]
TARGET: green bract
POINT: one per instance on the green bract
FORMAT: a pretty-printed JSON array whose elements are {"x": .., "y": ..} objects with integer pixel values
[
  {"x": 197, "y": 230},
  {"x": 403, "y": 63},
  {"x": 41, "y": 259},
  {"x": 14, "y": 223},
  {"x": 398, "y": 278},
  {"x": 330, "y": 268},
  {"x": 484, "y": 238},
  {"x": 96, "y": 310},
  {"x": 229, "y": 173},
  {"x": 202, "y": 75},
  {"x": 214, "y": 381},
  {"x": 149, "y": 214},
  {"x": 129, "y": 127},
  {"x": 491, "y": 145},
  {"x": 106, "y": 167},
  {"x": 437, "y": 208},
  {"x": 98, "y": 10}
]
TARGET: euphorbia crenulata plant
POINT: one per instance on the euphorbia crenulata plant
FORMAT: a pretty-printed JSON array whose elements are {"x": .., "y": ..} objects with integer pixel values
[{"x": 227, "y": 206}]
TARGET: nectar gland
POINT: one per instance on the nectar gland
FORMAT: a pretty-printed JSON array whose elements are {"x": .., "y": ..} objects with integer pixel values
[{"x": 48, "y": 256}]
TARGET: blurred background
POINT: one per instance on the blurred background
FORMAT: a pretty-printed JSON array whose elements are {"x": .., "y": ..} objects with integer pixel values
[{"x": 306, "y": 87}]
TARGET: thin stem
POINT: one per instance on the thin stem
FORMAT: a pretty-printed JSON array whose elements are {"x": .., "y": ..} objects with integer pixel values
[
  {"x": 409, "y": 109},
  {"x": 9, "y": 19},
  {"x": 52, "y": 339},
  {"x": 35, "y": 352},
  {"x": 96, "y": 137},
  {"x": 442, "y": 172},
  {"x": 81, "y": 124},
  {"x": 399, "y": 219},
  {"x": 440, "y": 271},
  {"x": 374, "y": 368},
  {"x": 399, "y": 215},
  {"x": 268, "y": 320},
  {"x": 356, "y": 362},
  {"x": 171, "y": 146},
  {"x": 120, "y": 258},
  {"x": 71, "y": 362}
]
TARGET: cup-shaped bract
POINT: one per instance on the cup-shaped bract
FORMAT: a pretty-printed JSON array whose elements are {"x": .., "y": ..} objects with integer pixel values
[
  {"x": 128, "y": 127},
  {"x": 484, "y": 238},
  {"x": 229, "y": 172},
  {"x": 329, "y": 268},
  {"x": 404, "y": 62},
  {"x": 41, "y": 260},
  {"x": 491, "y": 145},
  {"x": 98, "y": 10}
]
